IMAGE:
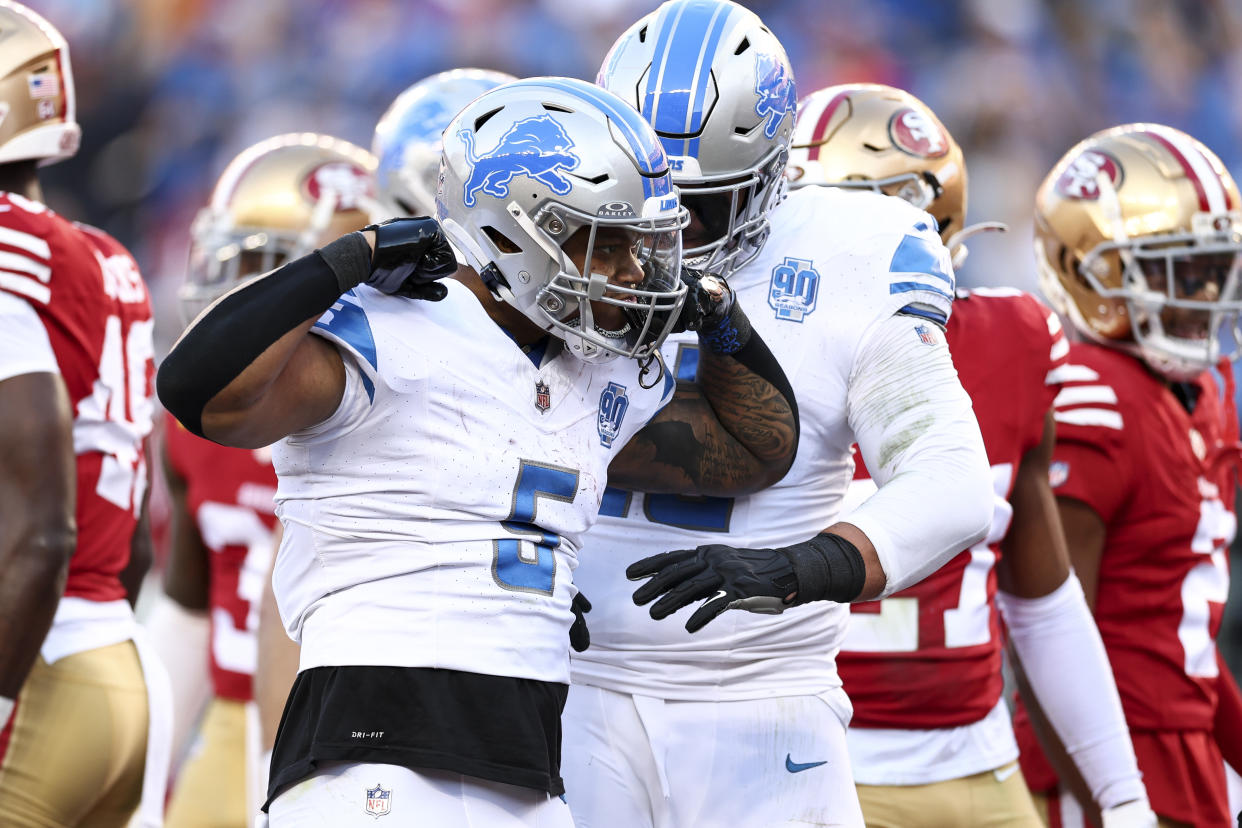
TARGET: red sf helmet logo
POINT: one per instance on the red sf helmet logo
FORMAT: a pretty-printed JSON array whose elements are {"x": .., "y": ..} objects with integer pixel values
[
  {"x": 1080, "y": 179},
  {"x": 348, "y": 183},
  {"x": 914, "y": 132}
]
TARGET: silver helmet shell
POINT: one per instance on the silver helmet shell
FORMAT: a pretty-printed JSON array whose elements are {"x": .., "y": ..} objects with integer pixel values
[
  {"x": 532, "y": 163},
  {"x": 719, "y": 90},
  {"x": 407, "y": 140}
]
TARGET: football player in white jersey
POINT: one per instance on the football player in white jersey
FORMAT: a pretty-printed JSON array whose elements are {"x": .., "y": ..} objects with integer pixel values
[
  {"x": 743, "y": 722},
  {"x": 440, "y": 460},
  {"x": 407, "y": 145}
]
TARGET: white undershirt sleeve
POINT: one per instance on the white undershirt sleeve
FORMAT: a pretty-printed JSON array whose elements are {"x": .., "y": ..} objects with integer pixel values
[
  {"x": 917, "y": 432},
  {"x": 1068, "y": 670},
  {"x": 24, "y": 346}
]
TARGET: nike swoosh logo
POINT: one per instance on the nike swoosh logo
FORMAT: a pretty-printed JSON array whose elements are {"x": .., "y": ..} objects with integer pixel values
[
  {"x": 720, "y": 593},
  {"x": 798, "y": 767}
]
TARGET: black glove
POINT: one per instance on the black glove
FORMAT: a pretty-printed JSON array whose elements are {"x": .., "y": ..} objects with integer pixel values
[
  {"x": 763, "y": 578},
  {"x": 827, "y": 567},
  {"x": 711, "y": 309},
  {"x": 411, "y": 255},
  {"x": 579, "y": 635}
]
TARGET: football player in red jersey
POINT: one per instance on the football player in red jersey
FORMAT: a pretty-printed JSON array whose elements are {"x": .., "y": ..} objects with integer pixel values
[
  {"x": 1138, "y": 235},
  {"x": 75, "y": 409},
  {"x": 930, "y": 740},
  {"x": 275, "y": 201}
]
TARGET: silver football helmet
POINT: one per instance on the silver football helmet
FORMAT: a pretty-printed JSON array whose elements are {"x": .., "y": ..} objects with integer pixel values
[
  {"x": 408, "y": 141},
  {"x": 719, "y": 91},
  {"x": 541, "y": 167}
]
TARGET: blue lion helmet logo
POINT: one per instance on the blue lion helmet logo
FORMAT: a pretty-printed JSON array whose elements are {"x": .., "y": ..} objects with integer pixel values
[
  {"x": 775, "y": 88},
  {"x": 535, "y": 147}
]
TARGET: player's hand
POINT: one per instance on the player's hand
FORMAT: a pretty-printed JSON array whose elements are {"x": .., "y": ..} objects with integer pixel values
[
  {"x": 1136, "y": 814},
  {"x": 579, "y": 635},
  {"x": 708, "y": 301},
  {"x": 410, "y": 256},
  {"x": 758, "y": 580}
]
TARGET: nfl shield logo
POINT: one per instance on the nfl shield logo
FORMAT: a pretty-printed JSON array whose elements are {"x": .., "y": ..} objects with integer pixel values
[
  {"x": 543, "y": 396},
  {"x": 1058, "y": 473},
  {"x": 378, "y": 801},
  {"x": 926, "y": 335}
]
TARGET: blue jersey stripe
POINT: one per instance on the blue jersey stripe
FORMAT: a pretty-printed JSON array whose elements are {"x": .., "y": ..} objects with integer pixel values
[
  {"x": 916, "y": 254},
  {"x": 906, "y": 287},
  {"x": 348, "y": 322},
  {"x": 925, "y": 313}
]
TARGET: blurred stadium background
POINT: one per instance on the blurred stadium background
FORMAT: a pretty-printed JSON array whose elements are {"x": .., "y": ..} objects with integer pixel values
[{"x": 170, "y": 90}]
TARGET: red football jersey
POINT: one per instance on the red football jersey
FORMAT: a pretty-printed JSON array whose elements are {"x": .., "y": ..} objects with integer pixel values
[
  {"x": 930, "y": 656},
  {"x": 1162, "y": 479},
  {"x": 90, "y": 297},
  {"x": 230, "y": 495}
]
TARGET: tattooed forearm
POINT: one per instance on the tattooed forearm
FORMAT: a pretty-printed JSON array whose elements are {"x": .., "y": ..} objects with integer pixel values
[
  {"x": 749, "y": 408},
  {"x": 731, "y": 433}
]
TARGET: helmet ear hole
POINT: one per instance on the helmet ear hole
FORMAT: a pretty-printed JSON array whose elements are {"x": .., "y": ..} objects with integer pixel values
[
  {"x": 503, "y": 243},
  {"x": 1071, "y": 264},
  {"x": 485, "y": 117}
]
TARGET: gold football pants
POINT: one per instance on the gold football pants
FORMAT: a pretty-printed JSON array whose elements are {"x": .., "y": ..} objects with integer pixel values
[
  {"x": 210, "y": 790},
  {"x": 79, "y": 742},
  {"x": 992, "y": 798}
]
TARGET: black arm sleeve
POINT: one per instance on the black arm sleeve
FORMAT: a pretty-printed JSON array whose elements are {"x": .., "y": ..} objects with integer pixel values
[{"x": 245, "y": 323}]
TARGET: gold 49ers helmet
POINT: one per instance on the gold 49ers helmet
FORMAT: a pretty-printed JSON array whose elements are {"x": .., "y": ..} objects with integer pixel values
[
  {"x": 277, "y": 200},
  {"x": 36, "y": 89},
  {"x": 875, "y": 137},
  {"x": 1137, "y": 236}
]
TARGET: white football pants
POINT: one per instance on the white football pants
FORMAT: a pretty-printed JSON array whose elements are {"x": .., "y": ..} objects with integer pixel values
[{"x": 639, "y": 762}]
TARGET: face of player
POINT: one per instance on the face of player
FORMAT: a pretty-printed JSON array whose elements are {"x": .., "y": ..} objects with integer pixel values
[
  {"x": 1193, "y": 277},
  {"x": 615, "y": 255},
  {"x": 711, "y": 214}
]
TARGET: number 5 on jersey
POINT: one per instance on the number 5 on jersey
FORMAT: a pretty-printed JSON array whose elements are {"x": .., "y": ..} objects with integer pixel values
[{"x": 528, "y": 564}]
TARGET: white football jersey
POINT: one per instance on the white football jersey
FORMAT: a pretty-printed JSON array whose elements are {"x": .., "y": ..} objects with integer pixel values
[
  {"x": 836, "y": 266},
  {"x": 434, "y": 519}
]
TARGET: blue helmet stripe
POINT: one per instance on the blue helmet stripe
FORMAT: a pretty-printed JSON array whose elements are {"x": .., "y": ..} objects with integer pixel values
[
  {"x": 682, "y": 70},
  {"x": 628, "y": 122},
  {"x": 659, "y": 60},
  {"x": 701, "y": 77}
]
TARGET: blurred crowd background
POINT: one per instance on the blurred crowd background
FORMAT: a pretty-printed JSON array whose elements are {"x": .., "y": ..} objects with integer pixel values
[{"x": 170, "y": 90}]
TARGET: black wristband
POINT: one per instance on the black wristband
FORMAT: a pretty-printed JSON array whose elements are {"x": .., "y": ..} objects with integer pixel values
[
  {"x": 237, "y": 329},
  {"x": 350, "y": 259},
  {"x": 828, "y": 568}
]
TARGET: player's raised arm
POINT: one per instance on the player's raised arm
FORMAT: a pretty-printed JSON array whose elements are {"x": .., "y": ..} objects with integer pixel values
[
  {"x": 734, "y": 430},
  {"x": 246, "y": 373}
]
